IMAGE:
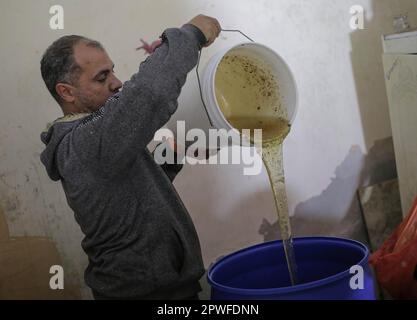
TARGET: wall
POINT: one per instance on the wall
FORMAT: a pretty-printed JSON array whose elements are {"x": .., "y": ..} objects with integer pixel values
[{"x": 342, "y": 114}]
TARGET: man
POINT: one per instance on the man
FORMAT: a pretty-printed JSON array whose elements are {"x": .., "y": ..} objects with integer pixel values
[{"x": 139, "y": 238}]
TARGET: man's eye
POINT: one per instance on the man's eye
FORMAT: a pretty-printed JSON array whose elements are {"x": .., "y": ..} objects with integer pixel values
[{"x": 102, "y": 80}]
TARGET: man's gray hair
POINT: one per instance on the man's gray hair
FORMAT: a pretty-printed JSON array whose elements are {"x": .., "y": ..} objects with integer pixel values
[{"x": 58, "y": 64}]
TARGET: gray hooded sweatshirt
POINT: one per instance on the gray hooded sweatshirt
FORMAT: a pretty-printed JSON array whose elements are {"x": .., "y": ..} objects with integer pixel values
[{"x": 139, "y": 237}]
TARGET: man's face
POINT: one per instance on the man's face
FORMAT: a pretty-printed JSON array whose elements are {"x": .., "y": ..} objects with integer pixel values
[{"x": 97, "y": 81}]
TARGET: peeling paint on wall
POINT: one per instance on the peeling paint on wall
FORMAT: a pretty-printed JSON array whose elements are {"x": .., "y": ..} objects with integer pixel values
[{"x": 24, "y": 267}]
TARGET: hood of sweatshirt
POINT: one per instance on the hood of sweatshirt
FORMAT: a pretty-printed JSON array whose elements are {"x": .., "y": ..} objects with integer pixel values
[{"x": 52, "y": 136}]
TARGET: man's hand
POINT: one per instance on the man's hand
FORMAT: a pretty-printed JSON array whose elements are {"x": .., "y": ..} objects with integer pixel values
[
  {"x": 149, "y": 48},
  {"x": 209, "y": 26}
]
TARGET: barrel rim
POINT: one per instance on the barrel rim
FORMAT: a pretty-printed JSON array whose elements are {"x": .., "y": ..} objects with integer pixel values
[{"x": 290, "y": 289}]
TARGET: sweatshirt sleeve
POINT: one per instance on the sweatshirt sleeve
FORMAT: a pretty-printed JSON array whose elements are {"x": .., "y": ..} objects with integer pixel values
[
  {"x": 172, "y": 170},
  {"x": 111, "y": 138}
]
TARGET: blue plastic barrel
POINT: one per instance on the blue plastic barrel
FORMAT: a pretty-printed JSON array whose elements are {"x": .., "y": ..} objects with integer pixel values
[{"x": 324, "y": 272}]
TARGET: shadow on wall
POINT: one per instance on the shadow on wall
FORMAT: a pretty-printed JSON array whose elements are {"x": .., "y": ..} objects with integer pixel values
[
  {"x": 366, "y": 57},
  {"x": 336, "y": 211}
]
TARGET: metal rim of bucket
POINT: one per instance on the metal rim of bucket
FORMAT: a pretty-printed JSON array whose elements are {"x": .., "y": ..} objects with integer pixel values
[
  {"x": 216, "y": 114},
  {"x": 290, "y": 289}
]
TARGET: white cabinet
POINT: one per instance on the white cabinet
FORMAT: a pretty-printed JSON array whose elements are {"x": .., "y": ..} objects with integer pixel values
[{"x": 400, "y": 66}]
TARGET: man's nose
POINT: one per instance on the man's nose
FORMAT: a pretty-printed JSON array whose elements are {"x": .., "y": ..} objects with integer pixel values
[{"x": 115, "y": 84}]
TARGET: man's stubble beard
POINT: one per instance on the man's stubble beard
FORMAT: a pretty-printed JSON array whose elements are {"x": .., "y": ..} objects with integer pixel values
[{"x": 87, "y": 104}]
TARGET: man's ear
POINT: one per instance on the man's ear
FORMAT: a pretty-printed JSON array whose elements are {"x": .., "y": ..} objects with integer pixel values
[{"x": 66, "y": 92}]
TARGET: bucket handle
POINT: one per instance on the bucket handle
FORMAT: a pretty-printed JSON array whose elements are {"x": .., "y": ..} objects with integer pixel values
[{"x": 198, "y": 75}]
